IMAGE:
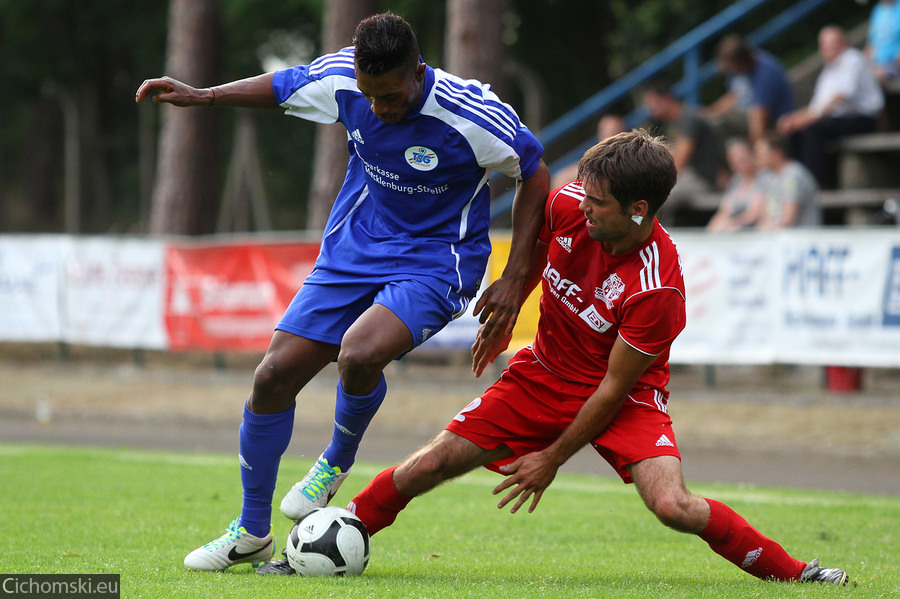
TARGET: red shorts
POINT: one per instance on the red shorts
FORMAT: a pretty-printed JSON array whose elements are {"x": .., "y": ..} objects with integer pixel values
[{"x": 529, "y": 407}]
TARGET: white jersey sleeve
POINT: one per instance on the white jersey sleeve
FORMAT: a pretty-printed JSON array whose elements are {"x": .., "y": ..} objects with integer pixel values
[{"x": 308, "y": 91}]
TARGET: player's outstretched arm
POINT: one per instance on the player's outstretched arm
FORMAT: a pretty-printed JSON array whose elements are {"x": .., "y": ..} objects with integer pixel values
[
  {"x": 531, "y": 474},
  {"x": 253, "y": 92},
  {"x": 499, "y": 305}
]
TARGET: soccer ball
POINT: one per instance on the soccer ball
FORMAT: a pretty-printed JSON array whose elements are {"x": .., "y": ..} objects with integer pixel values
[{"x": 329, "y": 541}]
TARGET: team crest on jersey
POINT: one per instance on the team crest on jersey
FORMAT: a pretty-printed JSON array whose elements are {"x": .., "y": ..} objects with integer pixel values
[
  {"x": 421, "y": 158},
  {"x": 612, "y": 289}
]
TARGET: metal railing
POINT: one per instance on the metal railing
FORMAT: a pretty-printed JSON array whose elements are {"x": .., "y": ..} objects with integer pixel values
[{"x": 695, "y": 74}]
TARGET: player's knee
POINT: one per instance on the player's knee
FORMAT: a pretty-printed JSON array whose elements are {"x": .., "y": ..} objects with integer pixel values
[
  {"x": 358, "y": 362},
  {"x": 672, "y": 509},
  {"x": 421, "y": 472},
  {"x": 272, "y": 384},
  {"x": 428, "y": 466}
]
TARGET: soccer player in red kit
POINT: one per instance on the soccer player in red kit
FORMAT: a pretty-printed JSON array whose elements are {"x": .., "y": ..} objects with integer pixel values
[{"x": 613, "y": 301}]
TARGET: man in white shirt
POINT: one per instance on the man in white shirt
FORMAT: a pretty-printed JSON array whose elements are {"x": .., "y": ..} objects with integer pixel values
[{"x": 847, "y": 100}]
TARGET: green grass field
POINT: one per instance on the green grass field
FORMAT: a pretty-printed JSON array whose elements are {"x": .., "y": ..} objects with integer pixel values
[{"x": 137, "y": 513}]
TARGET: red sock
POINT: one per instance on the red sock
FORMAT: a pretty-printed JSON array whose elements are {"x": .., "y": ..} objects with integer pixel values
[
  {"x": 379, "y": 503},
  {"x": 729, "y": 535}
]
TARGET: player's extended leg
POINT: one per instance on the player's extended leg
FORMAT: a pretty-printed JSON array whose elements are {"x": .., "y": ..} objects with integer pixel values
[
  {"x": 445, "y": 457},
  {"x": 661, "y": 485},
  {"x": 376, "y": 338},
  {"x": 290, "y": 362}
]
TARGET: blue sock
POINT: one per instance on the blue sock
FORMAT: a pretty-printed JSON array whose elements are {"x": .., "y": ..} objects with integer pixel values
[
  {"x": 352, "y": 416},
  {"x": 263, "y": 439}
]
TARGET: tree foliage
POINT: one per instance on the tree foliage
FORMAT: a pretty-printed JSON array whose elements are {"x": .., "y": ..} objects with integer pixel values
[{"x": 93, "y": 55}]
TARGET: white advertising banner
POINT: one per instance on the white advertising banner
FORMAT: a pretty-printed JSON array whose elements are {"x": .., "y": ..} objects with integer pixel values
[
  {"x": 30, "y": 288},
  {"x": 840, "y": 295},
  {"x": 730, "y": 299},
  {"x": 114, "y": 289},
  {"x": 828, "y": 296}
]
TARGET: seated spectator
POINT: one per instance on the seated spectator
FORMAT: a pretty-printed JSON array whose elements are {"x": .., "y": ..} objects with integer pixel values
[
  {"x": 790, "y": 197},
  {"x": 694, "y": 146},
  {"x": 741, "y": 205},
  {"x": 883, "y": 42},
  {"x": 759, "y": 92},
  {"x": 607, "y": 126},
  {"x": 847, "y": 100}
]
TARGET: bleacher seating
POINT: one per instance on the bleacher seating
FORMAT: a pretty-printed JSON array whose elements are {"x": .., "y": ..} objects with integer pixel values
[{"x": 868, "y": 165}]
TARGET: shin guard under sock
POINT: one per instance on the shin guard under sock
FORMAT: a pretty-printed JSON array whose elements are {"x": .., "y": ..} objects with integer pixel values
[
  {"x": 352, "y": 416},
  {"x": 379, "y": 503},
  {"x": 263, "y": 439},
  {"x": 729, "y": 535}
]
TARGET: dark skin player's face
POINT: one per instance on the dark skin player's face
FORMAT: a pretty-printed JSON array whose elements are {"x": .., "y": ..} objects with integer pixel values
[{"x": 393, "y": 94}]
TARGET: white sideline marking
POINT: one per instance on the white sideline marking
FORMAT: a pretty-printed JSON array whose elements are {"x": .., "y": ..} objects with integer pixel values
[{"x": 487, "y": 480}]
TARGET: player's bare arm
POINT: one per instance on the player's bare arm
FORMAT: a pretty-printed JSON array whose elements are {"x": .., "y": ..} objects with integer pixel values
[
  {"x": 488, "y": 346},
  {"x": 253, "y": 92},
  {"x": 499, "y": 305},
  {"x": 531, "y": 474}
]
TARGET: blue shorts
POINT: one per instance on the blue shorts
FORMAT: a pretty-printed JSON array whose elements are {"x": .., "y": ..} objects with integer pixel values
[{"x": 324, "y": 311}]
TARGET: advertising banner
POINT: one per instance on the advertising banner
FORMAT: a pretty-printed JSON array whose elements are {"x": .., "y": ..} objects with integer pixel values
[
  {"x": 828, "y": 297},
  {"x": 839, "y": 295},
  {"x": 731, "y": 300},
  {"x": 114, "y": 292},
  {"x": 30, "y": 288},
  {"x": 230, "y": 297}
]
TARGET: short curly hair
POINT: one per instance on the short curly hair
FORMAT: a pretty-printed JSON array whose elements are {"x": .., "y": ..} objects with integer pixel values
[{"x": 384, "y": 42}]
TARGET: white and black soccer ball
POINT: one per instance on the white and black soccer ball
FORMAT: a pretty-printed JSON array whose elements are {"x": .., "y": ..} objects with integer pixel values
[{"x": 329, "y": 541}]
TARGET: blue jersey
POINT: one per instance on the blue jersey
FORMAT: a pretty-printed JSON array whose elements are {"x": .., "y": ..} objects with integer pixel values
[{"x": 415, "y": 200}]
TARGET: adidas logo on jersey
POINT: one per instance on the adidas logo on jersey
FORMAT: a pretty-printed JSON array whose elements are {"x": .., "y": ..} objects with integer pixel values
[
  {"x": 357, "y": 136},
  {"x": 565, "y": 242},
  {"x": 664, "y": 441}
]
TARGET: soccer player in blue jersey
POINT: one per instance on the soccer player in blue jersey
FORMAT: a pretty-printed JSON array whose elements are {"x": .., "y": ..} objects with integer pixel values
[{"x": 403, "y": 253}]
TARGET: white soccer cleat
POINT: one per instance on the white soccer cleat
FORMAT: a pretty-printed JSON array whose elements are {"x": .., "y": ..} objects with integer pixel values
[
  {"x": 314, "y": 491},
  {"x": 236, "y": 546}
]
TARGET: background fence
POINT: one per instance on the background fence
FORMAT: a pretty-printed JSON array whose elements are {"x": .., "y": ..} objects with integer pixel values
[{"x": 826, "y": 296}]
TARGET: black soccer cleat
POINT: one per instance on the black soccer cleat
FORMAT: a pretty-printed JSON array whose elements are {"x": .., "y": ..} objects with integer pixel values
[
  {"x": 813, "y": 573},
  {"x": 278, "y": 566}
]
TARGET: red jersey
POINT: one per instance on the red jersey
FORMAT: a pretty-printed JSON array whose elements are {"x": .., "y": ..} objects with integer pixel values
[{"x": 590, "y": 297}]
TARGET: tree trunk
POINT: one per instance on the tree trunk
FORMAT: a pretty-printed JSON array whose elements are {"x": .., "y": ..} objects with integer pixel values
[
  {"x": 330, "y": 162},
  {"x": 185, "y": 196},
  {"x": 473, "y": 43}
]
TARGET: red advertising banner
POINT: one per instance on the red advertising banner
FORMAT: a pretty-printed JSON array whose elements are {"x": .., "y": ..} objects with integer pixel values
[{"x": 230, "y": 297}]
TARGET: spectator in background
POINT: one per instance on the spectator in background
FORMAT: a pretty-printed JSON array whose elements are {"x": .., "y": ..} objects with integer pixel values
[
  {"x": 759, "y": 92},
  {"x": 883, "y": 42},
  {"x": 790, "y": 196},
  {"x": 846, "y": 100},
  {"x": 607, "y": 126},
  {"x": 694, "y": 146},
  {"x": 742, "y": 201}
]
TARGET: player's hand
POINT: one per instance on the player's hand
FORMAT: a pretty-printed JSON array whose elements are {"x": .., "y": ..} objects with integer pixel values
[
  {"x": 499, "y": 306},
  {"x": 172, "y": 91},
  {"x": 486, "y": 349},
  {"x": 528, "y": 476}
]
